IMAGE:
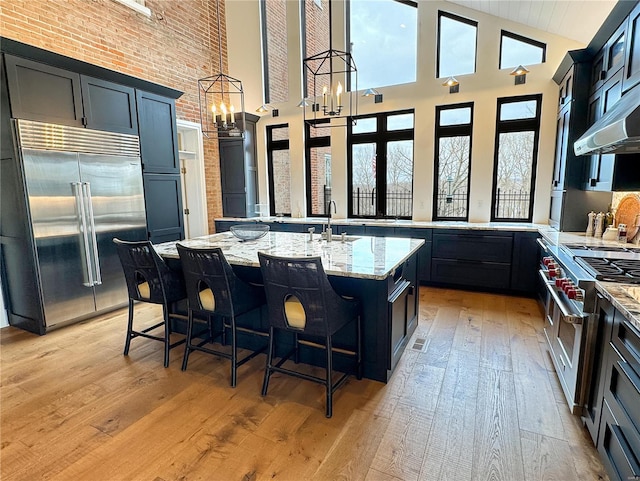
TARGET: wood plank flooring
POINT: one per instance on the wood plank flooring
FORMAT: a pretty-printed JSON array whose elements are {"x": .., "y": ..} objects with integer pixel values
[{"x": 476, "y": 401}]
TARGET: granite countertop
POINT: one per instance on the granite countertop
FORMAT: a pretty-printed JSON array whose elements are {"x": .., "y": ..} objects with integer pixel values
[
  {"x": 624, "y": 297},
  {"x": 506, "y": 226},
  {"x": 359, "y": 256}
]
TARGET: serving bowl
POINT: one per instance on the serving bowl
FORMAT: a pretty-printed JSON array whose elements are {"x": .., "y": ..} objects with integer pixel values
[{"x": 250, "y": 231}]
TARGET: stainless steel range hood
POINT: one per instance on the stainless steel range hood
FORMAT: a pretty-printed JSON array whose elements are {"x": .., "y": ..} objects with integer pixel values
[{"x": 617, "y": 131}]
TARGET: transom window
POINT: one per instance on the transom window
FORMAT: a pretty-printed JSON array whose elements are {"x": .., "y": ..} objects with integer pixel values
[
  {"x": 457, "y": 39},
  {"x": 380, "y": 165},
  {"x": 518, "y": 50},
  {"x": 274, "y": 50},
  {"x": 516, "y": 154},
  {"x": 454, "y": 126},
  {"x": 279, "y": 167},
  {"x": 383, "y": 36}
]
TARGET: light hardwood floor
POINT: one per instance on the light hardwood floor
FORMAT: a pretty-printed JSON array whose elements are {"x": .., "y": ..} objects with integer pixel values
[{"x": 479, "y": 401}]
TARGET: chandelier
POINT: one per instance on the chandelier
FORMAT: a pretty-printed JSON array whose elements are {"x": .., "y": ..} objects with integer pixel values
[
  {"x": 220, "y": 96},
  {"x": 329, "y": 72}
]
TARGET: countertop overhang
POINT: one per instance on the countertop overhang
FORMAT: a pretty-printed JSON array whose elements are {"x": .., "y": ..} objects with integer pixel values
[{"x": 359, "y": 256}]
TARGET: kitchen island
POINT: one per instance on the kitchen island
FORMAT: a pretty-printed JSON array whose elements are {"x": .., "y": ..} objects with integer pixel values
[{"x": 380, "y": 271}]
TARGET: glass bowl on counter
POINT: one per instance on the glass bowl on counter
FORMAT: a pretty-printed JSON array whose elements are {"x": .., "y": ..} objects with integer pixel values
[{"x": 250, "y": 231}]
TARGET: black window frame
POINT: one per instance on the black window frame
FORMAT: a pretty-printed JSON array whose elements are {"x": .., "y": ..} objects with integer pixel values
[
  {"x": 381, "y": 136},
  {"x": 273, "y": 145},
  {"x": 451, "y": 131},
  {"x": 517, "y": 125},
  {"x": 523, "y": 39},
  {"x": 310, "y": 143},
  {"x": 457, "y": 18},
  {"x": 409, "y": 3}
]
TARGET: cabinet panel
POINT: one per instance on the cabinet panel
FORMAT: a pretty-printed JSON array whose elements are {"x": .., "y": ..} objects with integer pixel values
[
  {"x": 109, "y": 106},
  {"x": 469, "y": 273},
  {"x": 632, "y": 60},
  {"x": 473, "y": 246},
  {"x": 163, "y": 199},
  {"x": 158, "y": 133},
  {"x": 43, "y": 93},
  {"x": 614, "y": 450},
  {"x": 524, "y": 266}
]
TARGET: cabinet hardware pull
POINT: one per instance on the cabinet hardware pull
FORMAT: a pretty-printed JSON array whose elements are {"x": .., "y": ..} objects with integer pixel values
[
  {"x": 628, "y": 455},
  {"x": 631, "y": 375}
]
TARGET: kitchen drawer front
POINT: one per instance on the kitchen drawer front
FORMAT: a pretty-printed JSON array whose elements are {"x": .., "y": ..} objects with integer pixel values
[
  {"x": 626, "y": 339},
  {"x": 615, "y": 452},
  {"x": 473, "y": 247},
  {"x": 470, "y": 273}
]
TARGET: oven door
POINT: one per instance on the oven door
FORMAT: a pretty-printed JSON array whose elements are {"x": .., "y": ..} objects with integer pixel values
[{"x": 564, "y": 331}]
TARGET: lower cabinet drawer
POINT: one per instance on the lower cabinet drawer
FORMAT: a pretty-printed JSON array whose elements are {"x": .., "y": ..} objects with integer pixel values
[
  {"x": 622, "y": 394},
  {"x": 617, "y": 455},
  {"x": 469, "y": 273}
]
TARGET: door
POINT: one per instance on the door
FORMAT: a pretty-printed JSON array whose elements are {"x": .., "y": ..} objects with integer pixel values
[
  {"x": 112, "y": 186},
  {"x": 232, "y": 176},
  {"x": 163, "y": 200},
  {"x": 61, "y": 238}
]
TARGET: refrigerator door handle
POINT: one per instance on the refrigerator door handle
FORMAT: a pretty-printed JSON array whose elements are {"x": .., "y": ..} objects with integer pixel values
[
  {"x": 77, "y": 192},
  {"x": 86, "y": 187}
]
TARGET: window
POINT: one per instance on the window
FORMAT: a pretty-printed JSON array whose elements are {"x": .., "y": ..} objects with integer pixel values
[
  {"x": 315, "y": 28},
  {"x": 454, "y": 124},
  {"x": 457, "y": 38},
  {"x": 137, "y": 5},
  {"x": 318, "y": 171},
  {"x": 517, "y": 50},
  {"x": 383, "y": 36},
  {"x": 516, "y": 153},
  {"x": 279, "y": 169},
  {"x": 274, "y": 50},
  {"x": 380, "y": 165}
]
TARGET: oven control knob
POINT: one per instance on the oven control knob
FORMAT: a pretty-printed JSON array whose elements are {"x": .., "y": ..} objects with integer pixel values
[
  {"x": 571, "y": 293},
  {"x": 547, "y": 260},
  {"x": 554, "y": 270}
]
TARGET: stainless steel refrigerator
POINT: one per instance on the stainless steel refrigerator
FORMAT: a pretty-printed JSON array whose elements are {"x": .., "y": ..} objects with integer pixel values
[{"x": 83, "y": 188}]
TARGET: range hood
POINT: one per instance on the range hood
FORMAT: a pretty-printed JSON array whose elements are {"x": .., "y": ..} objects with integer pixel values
[{"x": 617, "y": 131}]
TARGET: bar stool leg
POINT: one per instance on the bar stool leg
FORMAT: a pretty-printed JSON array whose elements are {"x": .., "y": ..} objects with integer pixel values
[
  {"x": 234, "y": 352},
  {"x": 296, "y": 347},
  {"x": 167, "y": 338},
  {"x": 187, "y": 348},
  {"x": 267, "y": 370},
  {"x": 359, "y": 347},
  {"x": 329, "y": 384},
  {"x": 127, "y": 343}
]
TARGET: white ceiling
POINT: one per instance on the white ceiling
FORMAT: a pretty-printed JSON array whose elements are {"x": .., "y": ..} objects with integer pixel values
[{"x": 575, "y": 19}]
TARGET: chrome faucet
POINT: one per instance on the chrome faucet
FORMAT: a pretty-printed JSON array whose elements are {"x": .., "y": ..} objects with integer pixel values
[{"x": 335, "y": 211}]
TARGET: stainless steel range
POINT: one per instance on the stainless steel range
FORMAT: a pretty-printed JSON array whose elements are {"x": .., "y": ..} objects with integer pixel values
[{"x": 568, "y": 274}]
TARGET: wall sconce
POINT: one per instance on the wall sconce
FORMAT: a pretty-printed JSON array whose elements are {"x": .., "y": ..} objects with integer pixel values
[
  {"x": 376, "y": 95},
  {"x": 265, "y": 108},
  {"x": 520, "y": 73},
  {"x": 453, "y": 84}
]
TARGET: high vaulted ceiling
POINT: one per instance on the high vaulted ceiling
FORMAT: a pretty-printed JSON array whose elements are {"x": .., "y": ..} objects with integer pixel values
[{"x": 575, "y": 19}]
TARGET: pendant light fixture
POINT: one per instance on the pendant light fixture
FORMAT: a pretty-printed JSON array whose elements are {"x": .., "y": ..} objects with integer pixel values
[
  {"x": 221, "y": 97},
  {"x": 330, "y": 71}
]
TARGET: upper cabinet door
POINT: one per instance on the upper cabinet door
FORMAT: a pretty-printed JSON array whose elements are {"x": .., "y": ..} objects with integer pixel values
[
  {"x": 632, "y": 62},
  {"x": 43, "y": 93},
  {"x": 109, "y": 106},
  {"x": 158, "y": 133}
]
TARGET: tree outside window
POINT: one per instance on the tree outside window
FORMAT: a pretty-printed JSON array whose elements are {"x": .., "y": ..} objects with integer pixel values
[{"x": 517, "y": 136}]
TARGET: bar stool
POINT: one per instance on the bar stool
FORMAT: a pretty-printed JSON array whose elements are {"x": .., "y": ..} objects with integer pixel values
[
  {"x": 214, "y": 289},
  {"x": 301, "y": 300},
  {"x": 149, "y": 279}
]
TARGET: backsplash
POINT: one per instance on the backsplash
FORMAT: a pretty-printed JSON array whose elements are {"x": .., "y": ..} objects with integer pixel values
[{"x": 615, "y": 202}]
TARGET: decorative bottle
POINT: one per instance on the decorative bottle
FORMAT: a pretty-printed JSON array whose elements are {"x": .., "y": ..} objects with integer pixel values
[{"x": 590, "y": 226}]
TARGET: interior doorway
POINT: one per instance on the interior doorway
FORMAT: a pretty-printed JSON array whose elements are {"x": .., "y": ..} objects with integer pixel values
[{"x": 194, "y": 198}]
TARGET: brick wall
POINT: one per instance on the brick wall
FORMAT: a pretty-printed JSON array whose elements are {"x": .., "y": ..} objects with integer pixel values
[
  {"x": 316, "y": 25},
  {"x": 175, "y": 47}
]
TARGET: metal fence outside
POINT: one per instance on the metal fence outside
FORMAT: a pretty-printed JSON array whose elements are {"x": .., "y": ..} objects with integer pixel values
[
  {"x": 512, "y": 204},
  {"x": 398, "y": 204},
  {"x": 452, "y": 205}
]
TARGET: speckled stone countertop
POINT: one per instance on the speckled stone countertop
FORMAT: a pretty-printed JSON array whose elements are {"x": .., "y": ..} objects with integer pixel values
[
  {"x": 624, "y": 297},
  {"x": 359, "y": 256},
  {"x": 505, "y": 226}
]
